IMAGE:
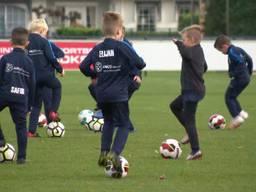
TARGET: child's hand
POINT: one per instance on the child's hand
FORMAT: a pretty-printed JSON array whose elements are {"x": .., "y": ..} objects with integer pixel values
[
  {"x": 137, "y": 79},
  {"x": 62, "y": 74}
]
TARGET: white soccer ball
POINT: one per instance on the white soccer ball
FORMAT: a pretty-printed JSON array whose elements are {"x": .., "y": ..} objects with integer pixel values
[
  {"x": 217, "y": 121},
  {"x": 7, "y": 153},
  {"x": 170, "y": 149},
  {"x": 110, "y": 170},
  {"x": 96, "y": 124},
  {"x": 55, "y": 129},
  {"x": 42, "y": 120},
  {"x": 85, "y": 117}
]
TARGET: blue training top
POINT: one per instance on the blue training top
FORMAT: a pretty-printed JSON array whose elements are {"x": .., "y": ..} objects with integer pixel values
[
  {"x": 240, "y": 63},
  {"x": 111, "y": 62},
  {"x": 40, "y": 51},
  {"x": 17, "y": 77}
]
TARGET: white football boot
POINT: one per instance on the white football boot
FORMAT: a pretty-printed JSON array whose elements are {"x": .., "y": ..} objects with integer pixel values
[
  {"x": 236, "y": 122},
  {"x": 244, "y": 114}
]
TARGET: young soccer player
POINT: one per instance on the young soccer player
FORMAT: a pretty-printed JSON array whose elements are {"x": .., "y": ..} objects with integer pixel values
[
  {"x": 240, "y": 69},
  {"x": 134, "y": 76},
  {"x": 45, "y": 64},
  {"x": 46, "y": 98},
  {"x": 17, "y": 84},
  {"x": 192, "y": 86},
  {"x": 111, "y": 62}
]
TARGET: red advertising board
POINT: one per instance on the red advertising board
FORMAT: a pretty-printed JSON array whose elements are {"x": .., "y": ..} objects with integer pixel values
[{"x": 75, "y": 52}]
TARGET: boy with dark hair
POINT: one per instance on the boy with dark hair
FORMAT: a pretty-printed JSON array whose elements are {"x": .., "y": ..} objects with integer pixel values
[
  {"x": 17, "y": 84},
  {"x": 192, "y": 86},
  {"x": 240, "y": 68},
  {"x": 110, "y": 62},
  {"x": 45, "y": 64}
]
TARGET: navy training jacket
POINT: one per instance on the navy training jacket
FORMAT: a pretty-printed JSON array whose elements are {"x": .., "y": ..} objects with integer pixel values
[
  {"x": 240, "y": 63},
  {"x": 17, "y": 77},
  {"x": 111, "y": 62},
  {"x": 41, "y": 53}
]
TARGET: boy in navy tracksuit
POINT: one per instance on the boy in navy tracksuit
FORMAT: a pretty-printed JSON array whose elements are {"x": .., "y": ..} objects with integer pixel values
[
  {"x": 17, "y": 84},
  {"x": 110, "y": 62},
  {"x": 240, "y": 69},
  {"x": 133, "y": 83},
  {"x": 45, "y": 64},
  {"x": 192, "y": 86},
  {"x": 134, "y": 76},
  {"x": 46, "y": 96}
]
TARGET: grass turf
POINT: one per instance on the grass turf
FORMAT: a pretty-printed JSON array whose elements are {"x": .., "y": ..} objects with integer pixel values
[{"x": 69, "y": 164}]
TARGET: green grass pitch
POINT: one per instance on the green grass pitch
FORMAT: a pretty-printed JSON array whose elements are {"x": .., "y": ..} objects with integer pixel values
[{"x": 70, "y": 164}]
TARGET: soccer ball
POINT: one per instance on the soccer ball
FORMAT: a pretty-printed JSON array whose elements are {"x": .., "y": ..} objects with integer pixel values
[
  {"x": 55, "y": 129},
  {"x": 110, "y": 170},
  {"x": 216, "y": 121},
  {"x": 42, "y": 121},
  {"x": 85, "y": 117},
  {"x": 170, "y": 149},
  {"x": 96, "y": 124},
  {"x": 7, "y": 153}
]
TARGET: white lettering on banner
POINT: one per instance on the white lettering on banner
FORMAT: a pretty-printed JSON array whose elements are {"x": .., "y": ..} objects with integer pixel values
[
  {"x": 18, "y": 90},
  {"x": 81, "y": 51},
  {"x": 72, "y": 59},
  {"x": 5, "y": 50},
  {"x": 107, "y": 53}
]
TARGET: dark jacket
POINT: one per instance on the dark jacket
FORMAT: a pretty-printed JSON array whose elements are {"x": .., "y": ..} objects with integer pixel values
[
  {"x": 240, "y": 63},
  {"x": 193, "y": 68},
  {"x": 17, "y": 77},
  {"x": 111, "y": 62},
  {"x": 41, "y": 53}
]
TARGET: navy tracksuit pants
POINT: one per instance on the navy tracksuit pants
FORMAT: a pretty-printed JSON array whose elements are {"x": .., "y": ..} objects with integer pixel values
[
  {"x": 234, "y": 89},
  {"x": 185, "y": 112},
  {"x": 35, "y": 112},
  {"x": 113, "y": 113},
  {"x": 133, "y": 86},
  {"x": 18, "y": 112},
  {"x": 48, "y": 89}
]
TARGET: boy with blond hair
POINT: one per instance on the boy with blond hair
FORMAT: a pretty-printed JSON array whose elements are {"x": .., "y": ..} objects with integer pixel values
[
  {"x": 17, "y": 85},
  {"x": 192, "y": 86},
  {"x": 111, "y": 62},
  {"x": 240, "y": 69},
  {"x": 45, "y": 64}
]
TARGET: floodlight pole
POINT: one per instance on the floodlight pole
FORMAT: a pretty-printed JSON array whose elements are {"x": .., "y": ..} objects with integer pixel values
[
  {"x": 227, "y": 17},
  {"x": 192, "y": 11}
]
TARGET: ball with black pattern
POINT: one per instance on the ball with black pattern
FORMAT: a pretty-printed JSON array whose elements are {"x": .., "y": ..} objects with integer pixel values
[
  {"x": 55, "y": 129},
  {"x": 7, "y": 153}
]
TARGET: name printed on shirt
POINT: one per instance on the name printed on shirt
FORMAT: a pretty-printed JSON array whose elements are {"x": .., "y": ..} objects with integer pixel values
[
  {"x": 18, "y": 90},
  {"x": 106, "y": 53}
]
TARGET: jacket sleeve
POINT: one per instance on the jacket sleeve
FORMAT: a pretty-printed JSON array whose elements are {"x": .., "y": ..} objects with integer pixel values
[
  {"x": 51, "y": 58},
  {"x": 2, "y": 68},
  {"x": 249, "y": 63},
  {"x": 185, "y": 52},
  {"x": 87, "y": 66},
  {"x": 58, "y": 53},
  {"x": 205, "y": 66},
  {"x": 133, "y": 57},
  {"x": 235, "y": 55}
]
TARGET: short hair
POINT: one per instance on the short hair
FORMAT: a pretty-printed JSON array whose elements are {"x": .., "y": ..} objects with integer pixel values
[
  {"x": 38, "y": 24},
  {"x": 19, "y": 36},
  {"x": 193, "y": 32},
  {"x": 111, "y": 21},
  {"x": 221, "y": 40}
]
